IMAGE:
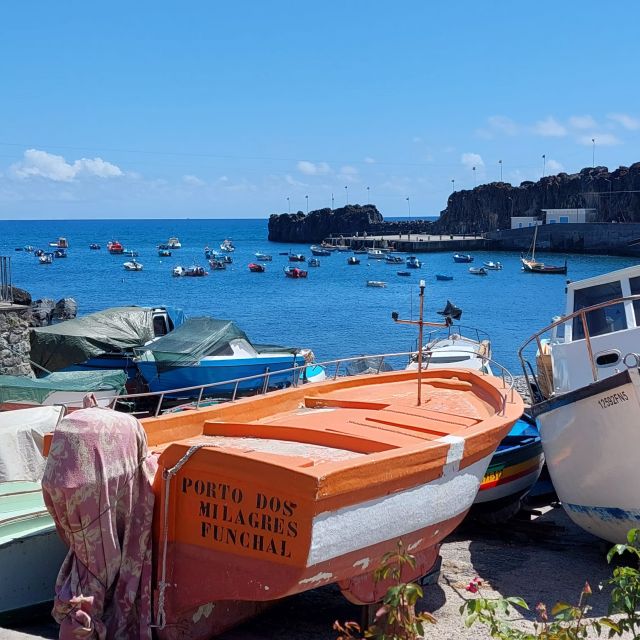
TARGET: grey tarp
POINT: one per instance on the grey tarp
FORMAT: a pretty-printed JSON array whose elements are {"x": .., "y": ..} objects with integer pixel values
[
  {"x": 200, "y": 337},
  {"x": 22, "y": 389},
  {"x": 74, "y": 341}
]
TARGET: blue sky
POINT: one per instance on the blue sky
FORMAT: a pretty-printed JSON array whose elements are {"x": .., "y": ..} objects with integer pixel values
[{"x": 211, "y": 109}]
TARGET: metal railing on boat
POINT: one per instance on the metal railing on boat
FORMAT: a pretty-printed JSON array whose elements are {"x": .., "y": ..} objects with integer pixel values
[
  {"x": 536, "y": 389},
  {"x": 333, "y": 370}
]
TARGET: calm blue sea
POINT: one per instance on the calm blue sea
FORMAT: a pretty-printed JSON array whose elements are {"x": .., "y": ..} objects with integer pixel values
[{"x": 333, "y": 311}]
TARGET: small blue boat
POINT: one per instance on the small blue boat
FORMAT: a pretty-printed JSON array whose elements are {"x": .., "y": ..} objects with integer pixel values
[
  {"x": 313, "y": 262},
  {"x": 319, "y": 251},
  {"x": 391, "y": 259},
  {"x": 440, "y": 276},
  {"x": 513, "y": 470},
  {"x": 205, "y": 351}
]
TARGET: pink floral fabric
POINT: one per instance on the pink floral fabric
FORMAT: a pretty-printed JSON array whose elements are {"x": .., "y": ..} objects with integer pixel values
[{"x": 97, "y": 487}]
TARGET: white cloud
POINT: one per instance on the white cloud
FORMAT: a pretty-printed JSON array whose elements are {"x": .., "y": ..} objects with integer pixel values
[
  {"x": 503, "y": 124},
  {"x": 549, "y": 127},
  {"x": 553, "y": 167},
  {"x": 602, "y": 139},
  {"x": 348, "y": 173},
  {"x": 313, "y": 169},
  {"x": 369, "y": 160},
  {"x": 471, "y": 160},
  {"x": 193, "y": 181},
  {"x": 37, "y": 163},
  {"x": 625, "y": 120},
  {"x": 582, "y": 122}
]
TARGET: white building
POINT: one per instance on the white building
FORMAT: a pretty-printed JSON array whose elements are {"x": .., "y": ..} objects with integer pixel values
[
  {"x": 522, "y": 222},
  {"x": 569, "y": 216}
]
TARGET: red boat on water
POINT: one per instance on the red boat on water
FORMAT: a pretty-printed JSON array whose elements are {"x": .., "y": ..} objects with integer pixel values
[
  {"x": 294, "y": 272},
  {"x": 256, "y": 268},
  {"x": 114, "y": 247}
]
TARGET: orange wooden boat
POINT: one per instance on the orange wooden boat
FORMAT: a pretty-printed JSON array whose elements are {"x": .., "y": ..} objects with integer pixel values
[{"x": 277, "y": 494}]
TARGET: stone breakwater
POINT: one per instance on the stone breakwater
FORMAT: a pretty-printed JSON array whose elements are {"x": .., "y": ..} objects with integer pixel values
[
  {"x": 14, "y": 340},
  {"x": 317, "y": 225}
]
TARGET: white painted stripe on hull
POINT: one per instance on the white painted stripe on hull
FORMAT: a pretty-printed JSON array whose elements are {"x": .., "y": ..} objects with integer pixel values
[{"x": 338, "y": 533}]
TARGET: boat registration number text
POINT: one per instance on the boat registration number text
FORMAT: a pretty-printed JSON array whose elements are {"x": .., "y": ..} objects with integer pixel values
[{"x": 613, "y": 399}]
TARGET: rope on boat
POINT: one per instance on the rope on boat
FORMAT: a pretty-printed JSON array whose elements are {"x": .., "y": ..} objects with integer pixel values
[{"x": 167, "y": 475}]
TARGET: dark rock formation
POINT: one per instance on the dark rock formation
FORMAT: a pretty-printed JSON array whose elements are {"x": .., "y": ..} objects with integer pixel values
[
  {"x": 66, "y": 309},
  {"x": 42, "y": 312},
  {"x": 317, "y": 225},
  {"x": 20, "y": 296},
  {"x": 615, "y": 195}
]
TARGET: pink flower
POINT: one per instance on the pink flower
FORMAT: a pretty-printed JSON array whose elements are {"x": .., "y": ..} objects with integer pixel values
[{"x": 472, "y": 586}]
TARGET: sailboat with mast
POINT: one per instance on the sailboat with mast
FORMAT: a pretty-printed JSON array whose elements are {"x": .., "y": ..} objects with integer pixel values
[{"x": 531, "y": 265}]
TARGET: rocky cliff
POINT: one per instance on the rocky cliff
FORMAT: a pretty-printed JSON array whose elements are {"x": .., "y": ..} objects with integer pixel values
[
  {"x": 317, "y": 225},
  {"x": 615, "y": 195}
]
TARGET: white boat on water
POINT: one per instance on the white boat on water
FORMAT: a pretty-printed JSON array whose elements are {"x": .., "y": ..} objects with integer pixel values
[
  {"x": 227, "y": 246},
  {"x": 31, "y": 552},
  {"x": 587, "y": 401},
  {"x": 133, "y": 265},
  {"x": 494, "y": 266},
  {"x": 376, "y": 283},
  {"x": 375, "y": 254}
]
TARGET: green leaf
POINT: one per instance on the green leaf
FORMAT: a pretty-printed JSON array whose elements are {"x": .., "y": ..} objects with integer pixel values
[
  {"x": 607, "y": 622},
  {"x": 519, "y": 602},
  {"x": 470, "y": 619},
  {"x": 560, "y": 607}
]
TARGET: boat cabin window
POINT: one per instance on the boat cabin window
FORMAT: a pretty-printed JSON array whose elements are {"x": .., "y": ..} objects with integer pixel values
[
  {"x": 160, "y": 327},
  {"x": 635, "y": 290},
  {"x": 223, "y": 350},
  {"x": 599, "y": 321}
]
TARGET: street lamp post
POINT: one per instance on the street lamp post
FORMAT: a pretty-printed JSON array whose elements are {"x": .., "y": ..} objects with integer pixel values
[
  {"x": 593, "y": 152},
  {"x": 544, "y": 163},
  {"x": 288, "y": 205},
  {"x": 500, "y": 163},
  {"x": 409, "y": 206},
  {"x": 332, "y": 202},
  {"x": 368, "y": 201},
  {"x": 346, "y": 190},
  {"x": 453, "y": 185},
  {"x": 307, "y": 199},
  {"x": 474, "y": 177}
]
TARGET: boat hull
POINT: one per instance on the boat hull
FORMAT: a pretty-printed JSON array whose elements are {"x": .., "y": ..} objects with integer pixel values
[
  {"x": 212, "y": 372},
  {"x": 591, "y": 441}
]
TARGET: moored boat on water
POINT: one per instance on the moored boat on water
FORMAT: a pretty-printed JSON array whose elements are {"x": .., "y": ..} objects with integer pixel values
[
  {"x": 531, "y": 265},
  {"x": 94, "y": 246},
  {"x": 194, "y": 271},
  {"x": 45, "y": 258},
  {"x": 462, "y": 257},
  {"x": 263, "y": 257},
  {"x": 174, "y": 243},
  {"x": 375, "y": 254},
  {"x": 380, "y": 284},
  {"x": 478, "y": 271},
  {"x": 443, "y": 278},
  {"x": 313, "y": 262},
  {"x": 413, "y": 262},
  {"x": 319, "y": 251},
  {"x": 295, "y": 273},
  {"x": 296, "y": 257},
  {"x": 227, "y": 246},
  {"x": 133, "y": 265},
  {"x": 353, "y": 260},
  {"x": 164, "y": 253},
  {"x": 114, "y": 247},
  {"x": 310, "y": 498},
  {"x": 217, "y": 265},
  {"x": 255, "y": 267},
  {"x": 493, "y": 266},
  {"x": 392, "y": 259},
  {"x": 586, "y": 395}
]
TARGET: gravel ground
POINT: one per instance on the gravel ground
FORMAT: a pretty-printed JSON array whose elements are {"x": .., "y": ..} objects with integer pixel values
[{"x": 547, "y": 559}]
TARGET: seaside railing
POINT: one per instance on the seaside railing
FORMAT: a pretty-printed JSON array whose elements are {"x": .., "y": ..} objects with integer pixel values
[
  {"x": 375, "y": 365},
  {"x": 6, "y": 288},
  {"x": 540, "y": 381}
]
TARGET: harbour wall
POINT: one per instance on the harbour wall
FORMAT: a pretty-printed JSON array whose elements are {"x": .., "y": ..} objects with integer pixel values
[
  {"x": 15, "y": 347},
  {"x": 595, "y": 238},
  {"x": 614, "y": 239}
]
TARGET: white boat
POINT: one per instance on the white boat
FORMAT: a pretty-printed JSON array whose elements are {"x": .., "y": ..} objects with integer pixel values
[
  {"x": 227, "y": 246},
  {"x": 46, "y": 258},
  {"x": 132, "y": 265},
  {"x": 31, "y": 552},
  {"x": 376, "y": 283},
  {"x": 174, "y": 243},
  {"x": 494, "y": 266},
  {"x": 587, "y": 401},
  {"x": 475, "y": 271},
  {"x": 375, "y": 254},
  {"x": 263, "y": 257}
]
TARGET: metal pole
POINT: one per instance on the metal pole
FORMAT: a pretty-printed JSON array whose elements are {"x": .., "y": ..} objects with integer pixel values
[
  {"x": 422, "y": 285},
  {"x": 500, "y": 163},
  {"x": 593, "y": 153},
  {"x": 544, "y": 163},
  {"x": 307, "y": 198},
  {"x": 288, "y": 205},
  {"x": 368, "y": 200},
  {"x": 346, "y": 190}
]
